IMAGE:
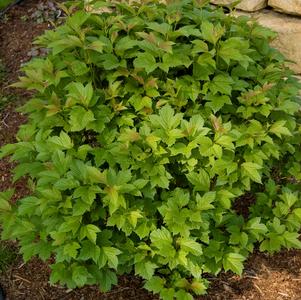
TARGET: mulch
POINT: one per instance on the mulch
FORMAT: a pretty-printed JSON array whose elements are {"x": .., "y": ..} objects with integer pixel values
[{"x": 266, "y": 277}]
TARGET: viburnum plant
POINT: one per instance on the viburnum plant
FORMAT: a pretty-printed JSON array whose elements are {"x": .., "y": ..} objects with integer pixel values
[{"x": 150, "y": 122}]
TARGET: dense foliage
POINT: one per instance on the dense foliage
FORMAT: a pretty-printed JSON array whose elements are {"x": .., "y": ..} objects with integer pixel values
[
  {"x": 149, "y": 124},
  {"x": 5, "y": 3}
]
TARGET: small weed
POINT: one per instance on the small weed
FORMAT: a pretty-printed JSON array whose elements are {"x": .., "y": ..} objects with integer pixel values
[
  {"x": 2, "y": 71},
  {"x": 7, "y": 256},
  {"x": 4, "y": 100},
  {"x": 24, "y": 18}
]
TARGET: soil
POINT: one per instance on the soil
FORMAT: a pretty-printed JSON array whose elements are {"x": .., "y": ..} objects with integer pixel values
[{"x": 276, "y": 277}]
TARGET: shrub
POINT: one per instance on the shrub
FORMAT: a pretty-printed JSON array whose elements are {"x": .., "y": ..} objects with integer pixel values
[
  {"x": 150, "y": 123},
  {"x": 4, "y": 4}
]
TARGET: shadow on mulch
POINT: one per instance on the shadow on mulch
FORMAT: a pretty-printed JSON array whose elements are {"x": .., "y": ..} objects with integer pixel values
[
  {"x": 266, "y": 277},
  {"x": 30, "y": 281}
]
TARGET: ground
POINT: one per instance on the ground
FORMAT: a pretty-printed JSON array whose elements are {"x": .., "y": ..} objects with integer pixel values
[{"x": 266, "y": 277}]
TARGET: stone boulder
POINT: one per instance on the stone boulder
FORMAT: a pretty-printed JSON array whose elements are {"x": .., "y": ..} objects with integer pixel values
[
  {"x": 246, "y": 5},
  {"x": 287, "y": 6}
]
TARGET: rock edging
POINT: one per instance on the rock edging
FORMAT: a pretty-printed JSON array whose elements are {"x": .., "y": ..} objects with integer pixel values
[{"x": 292, "y": 7}]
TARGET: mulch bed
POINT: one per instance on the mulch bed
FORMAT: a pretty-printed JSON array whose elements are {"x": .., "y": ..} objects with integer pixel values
[{"x": 266, "y": 277}]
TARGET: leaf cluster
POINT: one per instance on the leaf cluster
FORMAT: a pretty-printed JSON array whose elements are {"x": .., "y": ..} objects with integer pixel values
[{"x": 149, "y": 121}]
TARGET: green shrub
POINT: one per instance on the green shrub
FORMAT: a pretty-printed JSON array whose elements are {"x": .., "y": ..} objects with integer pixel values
[
  {"x": 5, "y": 3},
  {"x": 150, "y": 123}
]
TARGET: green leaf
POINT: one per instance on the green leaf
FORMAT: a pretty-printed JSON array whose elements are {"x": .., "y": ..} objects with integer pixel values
[
  {"x": 155, "y": 284},
  {"x": 79, "y": 208},
  {"x": 199, "y": 286},
  {"x": 80, "y": 275},
  {"x": 250, "y": 170},
  {"x": 134, "y": 216},
  {"x": 166, "y": 46},
  {"x": 289, "y": 106},
  {"x": 143, "y": 230},
  {"x": 71, "y": 224},
  {"x": 204, "y": 67},
  {"x": 110, "y": 61},
  {"x": 5, "y": 198},
  {"x": 183, "y": 295},
  {"x": 226, "y": 141},
  {"x": 272, "y": 244},
  {"x": 161, "y": 238},
  {"x": 95, "y": 176},
  {"x": 78, "y": 19},
  {"x": 173, "y": 60},
  {"x": 279, "y": 129},
  {"x": 221, "y": 84},
  {"x": 112, "y": 256},
  {"x": 205, "y": 202},
  {"x": 116, "y": 220},
  {"x": 114, "y": 199},
  {"x": 145, "y": 269},
  {"x": 44, "y": 250},
  {"x": 292, "y": 239},
  {"x": 79, "y": 68},
  {"x": 97, "y": 46},
  {"x": 28, "y": 206},
  {"x": 191, "y": 246},
  {"x": 89, "y": 251},
  {"x": 162, "y": 28},
  {"x": 200, "y": 180},
  {"x": 255, "y": 226},
  {"x": 212, "y": 33},
  {"x": 64, "y": 184},
  {"x": 90, "y": 231},
  {"x": 80, "y": 118},
  {"x": 124, "y": 44},
  {"x": 199, "y": 47},
  {"x": 168, "y": 294},
  {"x": 188, "y": 30},
  {"x": 69, "y": 42},
  {"x": 217, "y": 101},
  {"x": 107, "y": 278},
  {"x": 63, "y": 141},
  {"x": 71, "y": 249},
  {"x": 167, "y": 118},
  {"x": 224, "y": 197},
  {"x": 56, "y": 275},
  {"x": 28, "y": 251},
  {"x": 145, "y": 61},
  {"x": 230, "y": 49},
  {"x": 80, "y": 93},
  {"x": 289, "y": 198},
  {"x": 7, "y": 150},
  {"x": 233, "y": 262}
]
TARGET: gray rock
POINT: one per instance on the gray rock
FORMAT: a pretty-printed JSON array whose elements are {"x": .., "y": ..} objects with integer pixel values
[
  {"x": 287, "y": 6},
  {"x": 246, "y": 5}
]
